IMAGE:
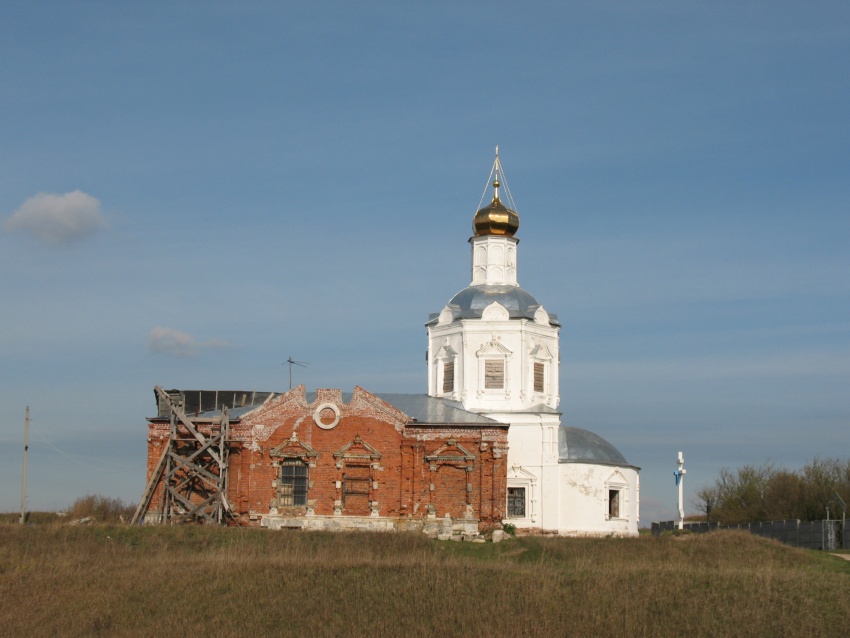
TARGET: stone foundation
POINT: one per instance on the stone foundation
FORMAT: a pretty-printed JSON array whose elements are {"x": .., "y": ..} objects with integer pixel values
[{"x": 433, "y": 527}]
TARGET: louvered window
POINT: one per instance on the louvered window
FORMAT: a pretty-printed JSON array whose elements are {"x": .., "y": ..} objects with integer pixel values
[
  {"x": 494, "y": 375},
  {"x": 538, "y": 377},
  {"x": 449, "y": 376}
]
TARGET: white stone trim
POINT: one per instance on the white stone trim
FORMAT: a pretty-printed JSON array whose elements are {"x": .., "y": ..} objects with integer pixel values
[
  {"x": 520, "y": 477},
  {"x": 317, "y": 416}
]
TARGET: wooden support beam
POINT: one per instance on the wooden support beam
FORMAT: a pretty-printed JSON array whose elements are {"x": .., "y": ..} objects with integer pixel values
[{"x": 149, "y": 490}]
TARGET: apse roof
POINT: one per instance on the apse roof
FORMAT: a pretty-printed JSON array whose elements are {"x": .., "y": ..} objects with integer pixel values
[
  {"x": 470, "y": 303},
  {"x": 576, "y": 445}
]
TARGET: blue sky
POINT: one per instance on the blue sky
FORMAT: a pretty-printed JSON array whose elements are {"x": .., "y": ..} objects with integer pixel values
[{"x": 190, "y": 192}]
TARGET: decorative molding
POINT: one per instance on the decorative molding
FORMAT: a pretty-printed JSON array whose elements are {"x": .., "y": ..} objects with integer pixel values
[
  {"x": 541, "y": 353},
  {"x": 370, "y": 454},
  {"x": 442, "y": 453},
  {"x": 495, "y": 312},
  {"x": 292, "y": 448},
  {"x": 317, "y": 416},
  {"x": 493, "y": 348}
]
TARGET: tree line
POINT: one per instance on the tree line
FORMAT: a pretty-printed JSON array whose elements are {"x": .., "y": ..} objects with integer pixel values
[{"x": 755, "y": 493}]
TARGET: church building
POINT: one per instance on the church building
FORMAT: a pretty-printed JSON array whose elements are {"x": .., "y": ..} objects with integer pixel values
[{"x": 485, "y": 447}]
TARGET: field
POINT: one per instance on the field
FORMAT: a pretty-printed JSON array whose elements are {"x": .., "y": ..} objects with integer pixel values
[{"x": 122, "y": 581}]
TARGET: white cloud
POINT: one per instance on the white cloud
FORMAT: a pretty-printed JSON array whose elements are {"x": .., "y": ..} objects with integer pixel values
[
  {"x": 58, "y": 219},
  {"x": 166, "y": 340}
]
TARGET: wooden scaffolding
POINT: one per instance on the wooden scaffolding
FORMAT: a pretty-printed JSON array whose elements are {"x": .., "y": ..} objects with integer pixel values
[{"x": 191, "y": 475}]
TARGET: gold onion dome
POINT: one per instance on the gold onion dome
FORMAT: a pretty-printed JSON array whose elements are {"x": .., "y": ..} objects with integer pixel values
[{"x": 495, "y": 219}]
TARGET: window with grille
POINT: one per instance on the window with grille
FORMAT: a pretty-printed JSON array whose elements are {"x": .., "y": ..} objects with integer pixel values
[
  {"x": 516, "y": 502},
  {"x": 494, "y": 374},
  {"x": 449, "y": 376},
  {"x": 538, "y": 377},
  {"x": 613, "y": 503},
  {"x": 293, "y": 483}
]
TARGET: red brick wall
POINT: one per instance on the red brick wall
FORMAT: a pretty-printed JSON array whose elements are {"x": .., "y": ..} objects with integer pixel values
[{"x": 402, "y": 480}]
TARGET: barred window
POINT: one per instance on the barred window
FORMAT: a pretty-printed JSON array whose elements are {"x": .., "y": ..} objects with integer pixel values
[
  {"x": 449, "y": 376},
  {"x": 538, "y": 377},
  {"x": 516, "y": 502},
  {"x": 494, "y": 374},
  {"x": 293, "y": 482}
]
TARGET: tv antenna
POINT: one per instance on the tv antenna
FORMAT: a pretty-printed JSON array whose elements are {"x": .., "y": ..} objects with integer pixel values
[{"x": 293, "y": 362}]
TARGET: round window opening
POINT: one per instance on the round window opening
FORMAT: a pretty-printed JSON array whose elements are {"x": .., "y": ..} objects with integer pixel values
[{"x": 326, "y": 416}]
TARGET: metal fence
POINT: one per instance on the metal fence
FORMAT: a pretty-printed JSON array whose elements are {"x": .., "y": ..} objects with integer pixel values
[{"x": 824, "y": 535}]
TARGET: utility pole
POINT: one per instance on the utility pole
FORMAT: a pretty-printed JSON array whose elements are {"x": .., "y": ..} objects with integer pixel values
[
  {"x": 679, "y": 474},
  {"x": 24, "y": 484}
]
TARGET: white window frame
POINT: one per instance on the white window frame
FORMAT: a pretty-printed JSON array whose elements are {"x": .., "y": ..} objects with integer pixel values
[
  {"x": 520, "y": 477},
  {"x": 617, "y": 483}
]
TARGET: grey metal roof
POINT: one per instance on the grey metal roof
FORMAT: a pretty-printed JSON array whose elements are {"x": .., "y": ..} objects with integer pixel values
[
  {"x": 425, "y": 409},
  {"x": 583, "y": 446},
  {"x": 470, "y": 303},
  {"x": 420, "y": 407}
]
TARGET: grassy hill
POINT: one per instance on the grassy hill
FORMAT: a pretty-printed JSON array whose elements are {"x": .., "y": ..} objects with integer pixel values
[{"x": 81, "y": 581}]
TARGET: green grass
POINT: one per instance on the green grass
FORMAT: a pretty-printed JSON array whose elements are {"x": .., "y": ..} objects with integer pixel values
[{"x": 122, "y": 581}]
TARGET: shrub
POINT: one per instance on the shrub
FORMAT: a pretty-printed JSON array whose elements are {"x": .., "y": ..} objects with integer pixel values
[{"x": 101, "y": 509}]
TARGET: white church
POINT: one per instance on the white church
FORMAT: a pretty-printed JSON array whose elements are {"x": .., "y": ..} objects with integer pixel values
[
  {"x": 329, "y": 460},
  {"x": 493, "y": 349}
]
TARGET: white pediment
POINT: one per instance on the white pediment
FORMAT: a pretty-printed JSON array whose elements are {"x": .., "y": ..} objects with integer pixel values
[
  {"x": 446, "y": 316},
  {"x": 446, "y": 352},
  {"x": 494, "y": 348},
  {"x": 495, "y": 312},
  {"x": 617, "y": 478},
  {"x": 519, "y": 472},
  {"x": 542, "y": 353},
  {"x": 541, "y": 316}
]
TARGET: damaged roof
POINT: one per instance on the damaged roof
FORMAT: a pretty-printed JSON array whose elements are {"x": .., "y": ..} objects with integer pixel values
[{"x": 421, "y": 408}]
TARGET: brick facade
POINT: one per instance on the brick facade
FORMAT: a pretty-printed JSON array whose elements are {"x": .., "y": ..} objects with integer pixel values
[{"x": 294, "y": 459}]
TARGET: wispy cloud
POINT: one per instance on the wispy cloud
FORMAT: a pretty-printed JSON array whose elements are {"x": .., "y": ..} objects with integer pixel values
[
  {"x": 170, "y": 341},
  {"x": 58, "y": 219}
]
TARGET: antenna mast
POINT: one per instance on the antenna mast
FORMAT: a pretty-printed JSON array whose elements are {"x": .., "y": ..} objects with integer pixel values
[
  {"x": 293, "y": 362},
  {"x": 24, "y": 483}
]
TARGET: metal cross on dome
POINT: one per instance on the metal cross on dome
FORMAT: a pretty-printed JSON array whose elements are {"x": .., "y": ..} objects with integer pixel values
[{"x": 497, "y": 180}]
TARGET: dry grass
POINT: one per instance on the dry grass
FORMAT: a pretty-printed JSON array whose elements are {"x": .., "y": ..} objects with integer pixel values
[{"x": 183, "y": 580}]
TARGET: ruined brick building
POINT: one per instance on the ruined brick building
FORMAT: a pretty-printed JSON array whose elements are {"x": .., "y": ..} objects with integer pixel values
[
  {"x": 329, "y": 460},
  {"x": 485, "y": 445}
]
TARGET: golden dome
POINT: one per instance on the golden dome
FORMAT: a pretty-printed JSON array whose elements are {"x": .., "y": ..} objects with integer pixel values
[{"x": 495, "y": 219}]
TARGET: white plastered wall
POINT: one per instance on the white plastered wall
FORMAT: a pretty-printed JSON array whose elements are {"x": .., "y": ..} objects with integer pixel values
[{"x": 518, "y": 342}]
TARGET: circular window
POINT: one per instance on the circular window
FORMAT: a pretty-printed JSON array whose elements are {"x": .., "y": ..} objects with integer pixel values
[{"x": 326, "y": 416}]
